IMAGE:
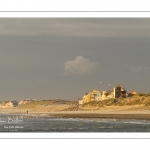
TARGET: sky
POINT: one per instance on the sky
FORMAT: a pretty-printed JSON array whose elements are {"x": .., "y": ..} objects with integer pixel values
[{"x": 52, "y": 58}]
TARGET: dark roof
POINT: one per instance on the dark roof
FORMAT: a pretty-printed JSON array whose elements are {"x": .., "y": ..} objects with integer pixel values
[{"x": 119, "y": 85}]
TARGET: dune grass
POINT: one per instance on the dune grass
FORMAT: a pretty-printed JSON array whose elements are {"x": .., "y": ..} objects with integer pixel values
[
  {"x": 34, "y": 104},
  {"x": 135, "y": 100}
]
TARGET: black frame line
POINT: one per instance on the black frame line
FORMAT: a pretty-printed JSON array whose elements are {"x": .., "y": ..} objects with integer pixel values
[
  {"x": 76, "y": 11},
  {"x": 78, "y": 138}
]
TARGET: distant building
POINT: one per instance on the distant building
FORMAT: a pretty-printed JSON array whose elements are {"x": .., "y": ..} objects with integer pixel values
[
  {"x": 104, "y": 95},
  {"x": 80, "y": 101},
  {"x": 2, "y": 104},
  {"x": 10, "y": 104},
  {"x": 119, "y": 91},
  {"x": 107, "y": 95},
  {"x": 132, "y": 93},
  {"x": 97, "y": 95},
  {"x": 27, "y": 101},
  {"x": 14, "y": 103},
  {"x": 20, "y": 102},
  {"x": 93, "y": 95}
]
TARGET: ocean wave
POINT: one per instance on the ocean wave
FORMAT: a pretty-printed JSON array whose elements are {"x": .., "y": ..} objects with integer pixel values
[{"x": 137, "y": 122}]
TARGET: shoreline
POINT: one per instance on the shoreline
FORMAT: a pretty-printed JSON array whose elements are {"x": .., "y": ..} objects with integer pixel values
[{"x": 103, "y": 114}]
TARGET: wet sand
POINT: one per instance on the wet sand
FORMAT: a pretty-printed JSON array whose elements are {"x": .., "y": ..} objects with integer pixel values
[
  {"x": 145, "y": 114},
  {"x": 110, "y": 116}
]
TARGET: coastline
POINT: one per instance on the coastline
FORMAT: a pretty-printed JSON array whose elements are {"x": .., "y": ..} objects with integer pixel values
[
  {"x": 107, "y": 113},
  {"x": 102, "y": 116},
  {"x": 121, "y": 113}
]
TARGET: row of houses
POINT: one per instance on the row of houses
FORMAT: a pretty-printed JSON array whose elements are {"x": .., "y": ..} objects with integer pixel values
[
  {"x": 26, "y": 101},
  {"x": 11, "y": 104},
  {"x": 8, "y": 104},
  {"x": 95, "y": 95}
]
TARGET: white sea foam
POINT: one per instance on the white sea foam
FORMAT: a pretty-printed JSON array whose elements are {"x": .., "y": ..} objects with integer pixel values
[{"x": 136, "y": 122}]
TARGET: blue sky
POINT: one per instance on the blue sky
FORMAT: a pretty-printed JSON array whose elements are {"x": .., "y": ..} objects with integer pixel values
[{"x": 64, "y": 58}]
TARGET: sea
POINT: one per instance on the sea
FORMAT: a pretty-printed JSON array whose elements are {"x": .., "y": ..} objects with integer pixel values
[{"x": 42, "y": 123}]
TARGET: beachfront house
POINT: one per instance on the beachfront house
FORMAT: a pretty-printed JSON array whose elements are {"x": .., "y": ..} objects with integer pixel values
[
  {"x": 2, "y": 104},
  {"x": 93, "y": 95},
  {"x": 80, "y": 101},
  {"x": 107, "y": 95},
  {"x": 10, "y": 104},
  {"x": 132, "y": 93},
  {"x": 14, "y": 103},
  {"x": 21, "y": 102},
  {"x": 120, "y": 91}
]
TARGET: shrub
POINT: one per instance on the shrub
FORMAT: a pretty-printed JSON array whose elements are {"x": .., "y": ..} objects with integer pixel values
[{"x": 140, "y": 94}]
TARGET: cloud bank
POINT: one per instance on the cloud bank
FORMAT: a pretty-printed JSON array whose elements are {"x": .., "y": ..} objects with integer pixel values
[
  {"x": 79, "y": 65},
  {"x": 84, "y": 28}
]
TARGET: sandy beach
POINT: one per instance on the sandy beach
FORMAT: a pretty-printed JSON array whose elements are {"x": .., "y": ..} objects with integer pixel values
[
  {"x": 125, "y": 112},
  {"x": 104, "y": 114}
]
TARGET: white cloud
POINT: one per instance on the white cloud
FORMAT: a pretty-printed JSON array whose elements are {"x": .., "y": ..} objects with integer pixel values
[{"x": 79, "y": 65}]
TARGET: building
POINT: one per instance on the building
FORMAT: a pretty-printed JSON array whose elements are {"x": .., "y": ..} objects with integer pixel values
[
  {"x": 107, "y": 95},
  {"x": 20, "y": 102},
  {"x": 14, "y": 103},
  {"x": 80, "y": 101},
  {"x": 27, "y": 101},
  {"x": 104, "y": 95},
  {"x": 119, "y": 91},
  {"x": 93, "y": 95},
  {"x": 10, "y": 104},
  {"x": 97, "y": 95},
  {"x": 132, "y": 93},
  {"x": 2, "y": 104}
]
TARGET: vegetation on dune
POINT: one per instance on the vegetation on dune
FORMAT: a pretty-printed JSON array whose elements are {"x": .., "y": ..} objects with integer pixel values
[
  {"x": 147, "y": 95},
  {"x": 142, "y": 94},
  {"x": 107, "y": 102},
  {"x": 138, "y": 99},
  {"x": 29, "y": 105},
  {"x": 34, "y": 104},
  {"x": 129, "y": 101}
]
